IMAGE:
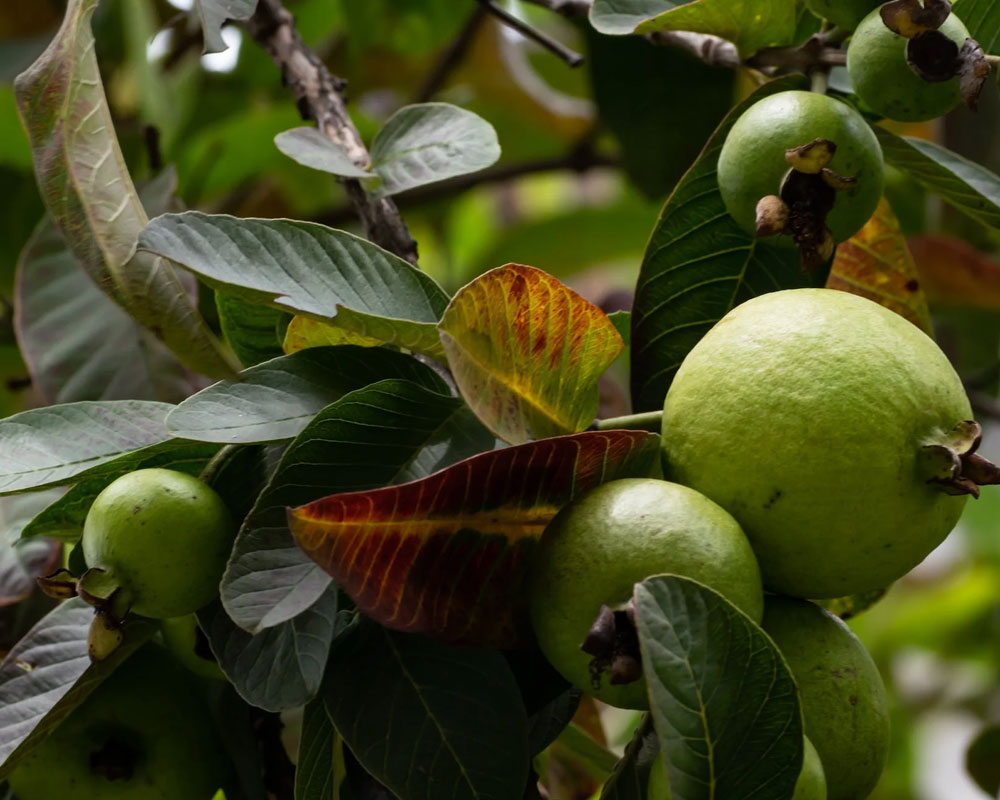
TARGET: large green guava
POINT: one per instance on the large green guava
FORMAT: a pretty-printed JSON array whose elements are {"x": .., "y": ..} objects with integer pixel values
[
  {"x": 882, "y": 78},
  {"x": 843, "y": 699},
  {"x": 144, "y": 734},
  {"x": 844, "y": 14},
  {"x": 805, "y": 414},
  {"x": 604, "y": 542},
  {"x": 164, "y": 536},
  {"x": 753, "y": 163}
]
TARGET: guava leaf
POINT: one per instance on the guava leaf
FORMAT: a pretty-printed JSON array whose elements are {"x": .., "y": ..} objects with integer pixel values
[
  {"x": 963, "y": 184},
  {"x": 447, "y": 555},
  {"x": 90, "y": 196},
  {"x": 723, "y": 701},
  {"x": 310, "y": 148},
  {"x": 49, "y": 673},
  {"x": 630, "y": 778},
  {"x": 527, "y": 352},
  {"x": 306, "y": 268},
  {"x": 698, "y": 265},
  {"x": 618, "y": 17},
  {"x": 953, "y": 272},
  {"x": 452, "y": 725},
  {"x": 305, "y": 332},
  {"x": 876, "y": 263},
  {"x": 275, "y": 400},
  {"x": 64, "y": 517},
  {"x": 982, "y": 18},
  {"x": 545, "y": 725},
  {"x": 21, "y": 562},
  {"x": 58, "y": 444},
  {"x": 251, "y": 330},
  {"x": 315, "y": 769},
  {"x": 430, "y": 142},
  {"x": 281, "y": 667},
  {"x": 214, "y": 13},
  {"x": 389, "y": 432}
]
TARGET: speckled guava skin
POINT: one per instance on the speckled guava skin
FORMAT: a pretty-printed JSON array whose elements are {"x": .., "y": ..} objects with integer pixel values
[
  {"x": 164, "y": 535},
  {"x": 876, "y": 63},
  {"x": 844, "y": 14},
  {"x": 601, "y": 544},
  {"x": 149, "y": 717},
  {"x": 842, "y": 695},
  {"x": 803, "y": 413},
  {"x": 752, "y": 162}
]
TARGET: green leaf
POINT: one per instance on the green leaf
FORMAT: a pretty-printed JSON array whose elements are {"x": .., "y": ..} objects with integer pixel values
[
  {"x": 58, "y": 444},
  {"x": 545, "y": 725},
  {"x": 275, "y": 400},
  {"x": 49, "y": 673},
  {"x": 624, "y": 16},
  {"x": 310, "y": 148},
  {"x": 750, "y": 24},
  {"x": 21, "y": 562},
  {"x": 314, "y": 770},
  {"x": 630, "y": 778},
  {"x": 430, "y": 142},
  {"x": 982, "y": 18},
  {"x": 969, "y": 187},
  {"x": 306, "y": 268},
  {"x": 722, "y": 699},
  {"x": 281, "y": 667},
  {"x": 90, "y": 196},
  {"x": 452, "y": 725},
  {"x": 390, "y": 432},
  {"x": 214, "y": 13},
  {"x": 251, "y": 330},
  {"x": 982, "y": 759},
  {"x": 698, "y": 265}
]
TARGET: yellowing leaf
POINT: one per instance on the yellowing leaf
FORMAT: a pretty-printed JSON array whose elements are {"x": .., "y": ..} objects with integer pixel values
[
  {"x": 304, "y": 332},
  {"x": 527, "y": 352},
  {"x": 954, "y": 272}
]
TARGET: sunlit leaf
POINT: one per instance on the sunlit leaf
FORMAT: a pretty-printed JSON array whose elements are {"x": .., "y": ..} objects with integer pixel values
[
  {"x": 305, "y": 332},
  {"x": 447, "y": 555},
  {"x": 90, "y": 196},
  {"x": 527, "y": 352},
  {"x": 309, "y": 147},
  {"x": 876, "y": 263},
  {"x": 953, "y": 271}
]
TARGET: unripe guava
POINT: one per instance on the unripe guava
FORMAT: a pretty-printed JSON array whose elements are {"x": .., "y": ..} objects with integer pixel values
[
  {"x": 753, "y": 163},
  {"x": 881, "y": 77},
  {"x": 843, "y": 699},
  {"x": 844, "y": 14},
  {"x": 164, "y": 536},
  {"x": 144, "y": 734},
  {"x": 186, "y": 642},
  {"x": 804, "y": 413},
  {"x": 599, "y": 546}
]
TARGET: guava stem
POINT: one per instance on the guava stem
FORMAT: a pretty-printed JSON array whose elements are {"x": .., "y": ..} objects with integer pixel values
[
  {"x": 215, "y": 463},
  {"x": 647, "y": 421}
]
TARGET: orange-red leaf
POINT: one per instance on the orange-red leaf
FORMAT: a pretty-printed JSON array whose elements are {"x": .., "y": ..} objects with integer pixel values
[
  {"x": 875, "y": 263},
  {"x": 527, "y": 352},
  {"x": 954, "y": 272},
  {"x": 447, "y": 555}
]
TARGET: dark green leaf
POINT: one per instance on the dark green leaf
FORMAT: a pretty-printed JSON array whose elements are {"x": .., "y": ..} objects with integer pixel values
[
  {"x": 390, "y": 432},
  {"x": 723, "y": 702},
  {"x": 251, "y": 330},
  {"x": 314, "y": 771},
  {"x": 630, "y": 778},
  {"x": 428, "y": 720},
  {"x": 698, "y": 265},
  {"x": 982, "y": 759},
  {"x": 982, "y": 18},
  {"x": 545, "y": 725},
  {"x": 275, "y": 400}
]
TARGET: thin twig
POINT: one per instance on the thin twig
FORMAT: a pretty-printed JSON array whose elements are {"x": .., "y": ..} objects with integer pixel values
[
  {"x": 452, "y": 56},
  {"x": 571, "y": 57},
  {"x": 320, "y": 97}
]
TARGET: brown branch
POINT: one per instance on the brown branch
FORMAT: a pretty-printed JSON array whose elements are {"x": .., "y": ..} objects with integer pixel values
[{"x": 320, "y": 97}]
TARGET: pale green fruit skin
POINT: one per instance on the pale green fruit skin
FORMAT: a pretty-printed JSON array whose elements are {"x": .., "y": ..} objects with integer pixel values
[
  {"x": 181, "y": 636},
  {"x": 752, "y": 162},
  {"x": 658, "y": 787},
  {"x": 811, "y": 784},
  {"x": 148, "y": 703},
  {"x": 803, "y": 414},
  {"x": 601, "y": 544},
  {"x": 842, "y": 695},
  {"x": 166, "y": 537},
  {"x": 876, "y": 63},
  {"x": 844, "y": 14}
]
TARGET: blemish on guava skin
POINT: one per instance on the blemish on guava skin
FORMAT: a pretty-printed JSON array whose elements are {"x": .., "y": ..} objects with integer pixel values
[
  {"x": 136, "y": 509},
  {"x": 774, "y": 498},
  {"x": 853, "y": 699}
]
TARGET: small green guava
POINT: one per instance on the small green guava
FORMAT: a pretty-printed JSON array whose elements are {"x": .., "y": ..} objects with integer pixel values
[
  {"x": 144, "y": 734},
  {"x": 600, "y": 545},
  {"x": 756, "y": 163},
  {"x": 164, "y": 537},
  {"x": 885, "y": 82},
  {"x": 186, "y": 642},
  {"x": 844, "y": 14},
  {"x": 841, "y": 692},
  {"x": 817, "y": 418}
]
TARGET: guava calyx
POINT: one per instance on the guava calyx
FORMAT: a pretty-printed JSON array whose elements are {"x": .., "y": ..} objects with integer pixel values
[
  {"x": 908, "y": 18},
  {"x": 614, "y": 644},
  {"x": 104, "y": 636},
  {"x": 955, "y": 465},
  {"x": 115, "y": 759},
  {"x": 59, "y": 585}
]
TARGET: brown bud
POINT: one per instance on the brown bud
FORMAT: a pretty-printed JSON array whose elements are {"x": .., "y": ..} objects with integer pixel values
[
  {"x": 811, "y": 158},
  {"x": 625, "y": 669},
  {"x": 772, "y": 215}
]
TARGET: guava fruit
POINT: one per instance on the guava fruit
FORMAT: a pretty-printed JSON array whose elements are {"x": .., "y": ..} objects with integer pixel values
[
  {"x": 164, "y": 537},
  {"x": 815, "y": 158},
  {"x": 186, "y": 642},
  {"x": 594, "y": 551},
  {"x": 882, "y": 78},
  {"x": 843, "y": 699},
  {"x": 844, "y": 14},
  {"x": 144, "y": 734},
  {"x": 833, "y": 430}
]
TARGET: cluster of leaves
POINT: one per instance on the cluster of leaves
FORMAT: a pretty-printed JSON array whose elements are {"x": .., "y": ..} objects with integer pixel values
[{"x": 358, "y": 392}]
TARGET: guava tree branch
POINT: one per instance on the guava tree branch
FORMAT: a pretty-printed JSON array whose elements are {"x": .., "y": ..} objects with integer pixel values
[{"x": 319, "y": 96}]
